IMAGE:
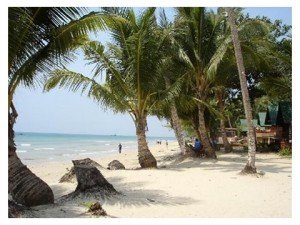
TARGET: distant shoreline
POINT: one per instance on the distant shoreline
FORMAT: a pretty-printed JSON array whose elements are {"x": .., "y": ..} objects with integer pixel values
[{"x": 54, "y": 133}]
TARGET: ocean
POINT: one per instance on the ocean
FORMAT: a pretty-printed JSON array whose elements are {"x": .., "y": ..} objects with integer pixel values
[{"x": 47, "y": 147}]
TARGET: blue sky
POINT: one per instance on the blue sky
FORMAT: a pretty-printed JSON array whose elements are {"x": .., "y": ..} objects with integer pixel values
[{"x": 60, "y": 111}]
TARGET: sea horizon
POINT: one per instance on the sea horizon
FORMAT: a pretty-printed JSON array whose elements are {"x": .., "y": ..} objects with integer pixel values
[{"x": 90, "y": 134}]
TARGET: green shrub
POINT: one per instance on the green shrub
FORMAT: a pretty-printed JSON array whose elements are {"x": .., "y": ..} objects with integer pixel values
[{"x": 285, "y": 152}]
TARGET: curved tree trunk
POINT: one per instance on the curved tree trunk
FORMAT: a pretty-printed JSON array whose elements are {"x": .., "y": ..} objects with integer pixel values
[
  {"x": 176, "y": 122},
  {"x": 250, "y": 166},
  {"x": 227, "y": 146},
  {"x": 210, "y": 152},
  {"x": 220, "y": 96},
  {"x": 229, "y": 122},
  {"x": 23, "y": 185},
  {"x": 146, "y": 159},
  {"x": 197, "y": 132}
]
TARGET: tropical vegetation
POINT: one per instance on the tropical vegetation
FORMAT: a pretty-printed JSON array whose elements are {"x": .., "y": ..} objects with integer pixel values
[{"x": 201, "y": 72}]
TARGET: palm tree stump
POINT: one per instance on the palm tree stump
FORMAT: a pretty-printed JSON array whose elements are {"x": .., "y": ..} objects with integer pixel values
[
  {"x": 90, "y": 179},
  {"x": 70, "y": 176},
  {"x": 90, "y": 182},
  {"x": 115, "y": 165}
]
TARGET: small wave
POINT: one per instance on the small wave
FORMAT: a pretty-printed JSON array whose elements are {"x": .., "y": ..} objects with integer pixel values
[
  {"x": 25, "y": 144},
  {"x": 22, "y": 151},
  {"x": 37, "y": 149},
  {"x": 83, "y": 150},
  {"x": 107, "y": 144},
  {"x": 66, "y": 154},
  {"x": 109, "y": 150},
  {"x": 51, "y": 158},
  {"x": 87, "y": 153}
]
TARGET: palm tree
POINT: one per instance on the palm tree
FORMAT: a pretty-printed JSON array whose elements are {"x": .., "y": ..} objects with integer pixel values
[
  {"x": 39, "y": 40},
  {"x": 220, "y": 97},
  {"x": 201, "y": 51},
  {"x": 250, "y": 166},
  {"x": 131, "y": 65},
  {"x": 167, "y": 71}
]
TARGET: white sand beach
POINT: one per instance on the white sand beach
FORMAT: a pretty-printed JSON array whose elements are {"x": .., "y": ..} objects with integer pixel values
[{"x": 190, "y": 187}]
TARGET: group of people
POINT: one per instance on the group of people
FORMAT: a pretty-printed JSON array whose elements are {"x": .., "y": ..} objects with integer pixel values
[
  {"x": 198, "y": 147},
  {"x": 159, "y": 142}
]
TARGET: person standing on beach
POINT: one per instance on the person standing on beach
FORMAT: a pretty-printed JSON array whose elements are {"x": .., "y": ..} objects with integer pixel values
[
  {"x": 120, "y": 148},
  {"x": 167, "y": 143}
]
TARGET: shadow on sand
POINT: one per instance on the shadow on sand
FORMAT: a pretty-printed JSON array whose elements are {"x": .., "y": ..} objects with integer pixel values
[{"x": 225, "y": 163}]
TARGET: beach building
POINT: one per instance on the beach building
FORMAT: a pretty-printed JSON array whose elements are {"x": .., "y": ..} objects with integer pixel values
[
  {"x": 279, "y": 122},
  {"x": 273, "y": 125}
]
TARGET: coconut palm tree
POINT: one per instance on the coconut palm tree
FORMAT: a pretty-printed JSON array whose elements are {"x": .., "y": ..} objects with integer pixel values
[
  {"x": 250, "y": 166},
  {"x": 204, "y": 42},
  {"x": 40, "y": 39},
  {"x": 220, "y": 97},
  {"x": 201, "y": 50},
  {"x": 168, "y": 69},
  {"x": 131, "y": 65}
]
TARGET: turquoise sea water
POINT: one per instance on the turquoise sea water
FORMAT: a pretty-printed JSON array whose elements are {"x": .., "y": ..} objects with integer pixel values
[{"x": 41, "y": 147}]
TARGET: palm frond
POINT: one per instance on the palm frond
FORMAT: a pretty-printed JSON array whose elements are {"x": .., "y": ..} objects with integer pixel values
[{"x": 77, "y": 82}]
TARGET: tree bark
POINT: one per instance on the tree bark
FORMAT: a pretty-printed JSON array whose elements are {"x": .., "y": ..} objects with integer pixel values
[
  {"x": 210, "y": 152},
  {"x": 23, "y": 185},
  {"x": 250, "y": 166},
  {"x": 89, "y": 179},
  {"x": 176, "y": 122},
  {"x": 146, "y": 159},
  {"x": 70, "y": 175},
  {"x": 229, "y": 122},
  {"x": 90, "y": 183},
  {"x": 220, "y": 96},
  {"x": 227, "y": 146}
]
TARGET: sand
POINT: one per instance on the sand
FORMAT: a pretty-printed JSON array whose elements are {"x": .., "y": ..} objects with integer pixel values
[{"x": 181, "y": 187}]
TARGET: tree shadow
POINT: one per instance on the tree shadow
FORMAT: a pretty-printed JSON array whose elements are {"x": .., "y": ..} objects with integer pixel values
[
  {"x": 61, "y": 189},
  {"x": 70, "y": 210},
  {"x": 132, "y": 194},
  {"x": 233, "y": 162}
]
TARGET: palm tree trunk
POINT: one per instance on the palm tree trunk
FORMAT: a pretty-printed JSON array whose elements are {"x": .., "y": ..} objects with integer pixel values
[
  {"x": 210, "y": 152},
  {"x": 250, "y": 166},
  {"x": 23, "y": 185},
  {"x": 227, "y": 146},
  {"x": 176, "y": 122},
  {"x": 146, "y": 159},
  {"x": 229, "y": 122},
  {"x": 220, "y": 96}
]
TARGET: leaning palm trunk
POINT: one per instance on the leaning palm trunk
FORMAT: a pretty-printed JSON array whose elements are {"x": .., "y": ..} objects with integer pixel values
[
  {"x": 23, "y": 185},
  {"x": 177, "y": 128},
  {"x": 146, "y": 159},
  {"x": 250, "y": 166},
  {"x": 210, "y": 152},
  {"x": 227, "y": 146},
  {"x": 176, "y": 122}
]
